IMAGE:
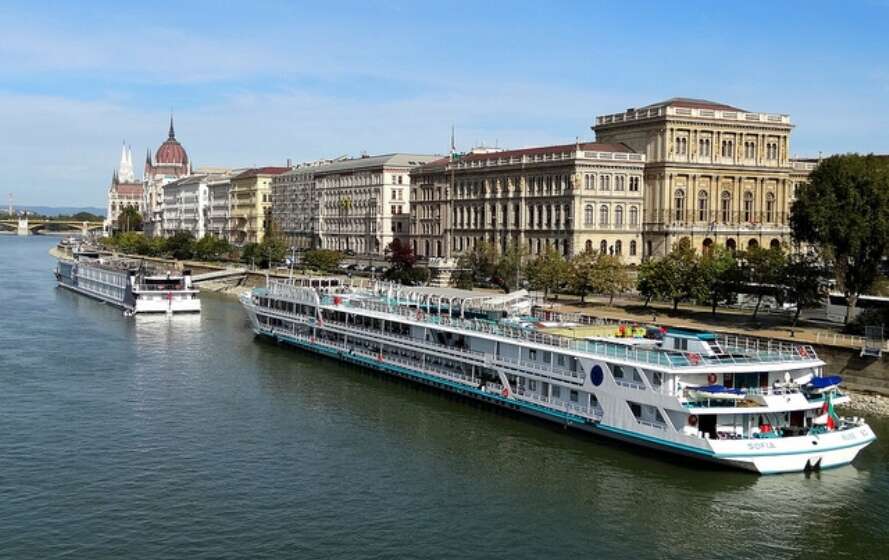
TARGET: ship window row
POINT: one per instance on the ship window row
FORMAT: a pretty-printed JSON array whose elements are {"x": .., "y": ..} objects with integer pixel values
[{"x": 113, "y": 292}]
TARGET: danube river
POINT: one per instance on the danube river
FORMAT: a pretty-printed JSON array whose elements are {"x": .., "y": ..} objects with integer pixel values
[{"x": 185, "y": 437}]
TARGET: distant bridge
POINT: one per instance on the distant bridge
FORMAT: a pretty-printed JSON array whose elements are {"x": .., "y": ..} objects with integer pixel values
[{"x": 24, "y": 226}]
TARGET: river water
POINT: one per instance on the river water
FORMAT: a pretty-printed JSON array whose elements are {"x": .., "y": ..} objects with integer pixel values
[{"x": 186, "y": 437}]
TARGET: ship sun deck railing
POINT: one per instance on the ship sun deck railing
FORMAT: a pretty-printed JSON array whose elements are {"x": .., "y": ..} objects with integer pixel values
[
  {"x": 750, "y": 397},
  {"x": 738, "y": 350},
  {"x": 489, "y": 359}
]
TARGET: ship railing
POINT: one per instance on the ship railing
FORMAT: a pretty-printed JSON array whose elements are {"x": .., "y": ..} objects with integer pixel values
[
  {"x": 559, "y": 404},
  {"x": 739, "y": 350}
]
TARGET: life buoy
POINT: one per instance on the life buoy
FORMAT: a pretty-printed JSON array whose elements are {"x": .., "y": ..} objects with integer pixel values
[
  {"x": 692, "y": 420},
  {"x": 694, "y": 358},
  {"x": 505, "y": 392},
  {"x": 803, "y": 352},
  {"x": 711, "y": 378}
]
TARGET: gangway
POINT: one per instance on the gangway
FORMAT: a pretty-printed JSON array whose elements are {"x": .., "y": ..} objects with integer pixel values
[
  {"x": 228, "y": 273},
  {"x": 873, "y": 342}
]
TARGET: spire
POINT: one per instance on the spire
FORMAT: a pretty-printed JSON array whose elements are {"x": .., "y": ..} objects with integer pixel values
[
  {"x": 172, "y": 133},
  {"x": 147, "y": 156}
]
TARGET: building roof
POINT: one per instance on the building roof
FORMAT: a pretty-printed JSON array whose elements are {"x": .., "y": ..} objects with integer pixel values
[
  {"x": 371, "y": 162},
  {"x": 260, "y": 171},
  {"x": 129, "y": 188},
  {"x": 692, "y": 103},
  {"x": 560, "y": 148}
]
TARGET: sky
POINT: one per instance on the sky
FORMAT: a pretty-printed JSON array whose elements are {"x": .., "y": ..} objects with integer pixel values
[{"x": 256, "y": 83}]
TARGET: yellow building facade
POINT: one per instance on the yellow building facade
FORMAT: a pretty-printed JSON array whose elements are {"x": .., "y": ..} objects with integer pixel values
[{"x": 250, "y": 199}]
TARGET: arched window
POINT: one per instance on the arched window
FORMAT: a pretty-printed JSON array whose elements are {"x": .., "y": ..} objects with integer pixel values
[
  {"x": 588, "y": 215},
  {"x": 679, "y": 205},
  {"x": 588, "y": 181},
  {"x": 726, "y": 207},
  {"x": 603, "y": 247},
  {"x": 632, "y": 248},
  {"x": 619, "y": 216},
  {"x": 770, "y": 208},
  {"x": 730, "y": 245},
  {"x": 618, "y": 247},
  {"x": 748, "y": 206},
  {"x": 588, "y": 246},
  {"x": 427, "y": 252},
  {"x": 703, "y": 205},
  {"x": 634, "y": 216},
  {"x": 530, "y": 216},
  {"x": 604, "y": 182},
  {"x": 752, "y": 244},
  {"x": 603, "y": 215}
]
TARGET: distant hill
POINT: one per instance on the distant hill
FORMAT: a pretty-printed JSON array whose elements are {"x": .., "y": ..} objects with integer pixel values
[{"x": 57, "y": 210}]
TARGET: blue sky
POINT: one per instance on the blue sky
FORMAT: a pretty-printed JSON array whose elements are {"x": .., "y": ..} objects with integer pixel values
[{"x": 254, "y": 83}]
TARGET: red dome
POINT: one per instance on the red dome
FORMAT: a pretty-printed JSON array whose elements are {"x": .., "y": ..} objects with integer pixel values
[{"x": 171, "y": 151}]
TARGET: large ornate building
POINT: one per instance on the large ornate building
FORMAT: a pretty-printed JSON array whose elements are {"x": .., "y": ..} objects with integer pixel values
[
  {"x": 295, "y": 211},
  {"x": 363, "y": 202},
  {"x": 125, "y": 191},
  {"x": 170, "y": 163},
  {"x": 571, "y": 197},
  {"x": 714, "y": 173}
]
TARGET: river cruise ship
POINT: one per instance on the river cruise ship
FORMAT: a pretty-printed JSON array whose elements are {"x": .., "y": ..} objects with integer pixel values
[
  {"x": 128, "y": 283},
  {"x": 759, "y": 405}
]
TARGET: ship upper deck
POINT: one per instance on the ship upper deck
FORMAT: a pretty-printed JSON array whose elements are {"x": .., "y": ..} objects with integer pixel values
[{"x": 509, "y": 317}]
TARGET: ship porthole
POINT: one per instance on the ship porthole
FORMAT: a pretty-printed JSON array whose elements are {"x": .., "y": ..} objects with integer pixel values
[{"x": 596, "y": 376}]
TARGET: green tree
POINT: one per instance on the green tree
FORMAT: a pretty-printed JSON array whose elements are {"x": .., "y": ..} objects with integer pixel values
[
  {"x": 210, "y": 248},
  {"x": 477, "y": 266},
  {"x": 720, "y": 276},
  {"x": 129, "y": 219},
  {"x": 611, "y": 276},
  {"x": 324, "y": 260},
  {"x": 844, "y": 209},
  {"x": 583, "y": 274},
  {"x": 763, "y": 269},
  {"x": 509, "y": 267},
  {"x": 679, "y": 273},
  {"x": 548, "y": 272},
  {"x": 180, "y": 245},
  {"x": 270, "y": 251},
  {"x": 805, "y": 278},
  {"x": 648, "y": 282}
]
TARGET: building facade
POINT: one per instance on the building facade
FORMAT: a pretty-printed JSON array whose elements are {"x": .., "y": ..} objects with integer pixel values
[
  {"x": 125, "y": 191},
  {"x": 295, "y": 213},
  {"x": 714, "y": 173},
  {"x": 572, "y": 198},
  {"x": 250, "y": 204},
  {"x": 185, "y": 206},
  {"x": 219, "y": 206},
  {"x": 364, "y": 202},
  {"x": 170, "y": 163}
]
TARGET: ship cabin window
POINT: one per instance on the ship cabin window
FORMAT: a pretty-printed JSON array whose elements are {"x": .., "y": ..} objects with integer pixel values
[
  {"x": 657, "y": 378},
  {"x": 556, "y": 392},
  {"x": 680, "y": 343},
  {"x": 747, "y": 380},
  {"x": 573, "y": 396},
  {"x": 636, "y": 409},
  {"x": 532, "y": 353},
  {"x": 532, "y": 385},
  {"x": 594, "y": 401}
]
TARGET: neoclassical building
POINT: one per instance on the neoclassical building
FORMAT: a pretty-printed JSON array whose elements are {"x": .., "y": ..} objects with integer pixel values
[
  {"x": 570, "y": 197},
  {"x": 295, "y": 213},
  {"x": 713, "y": 173},
  {"x": 363, "y": 203}
]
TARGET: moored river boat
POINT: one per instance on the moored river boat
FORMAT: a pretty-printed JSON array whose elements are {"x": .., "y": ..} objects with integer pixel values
[{"x": 735, "y": 401}]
